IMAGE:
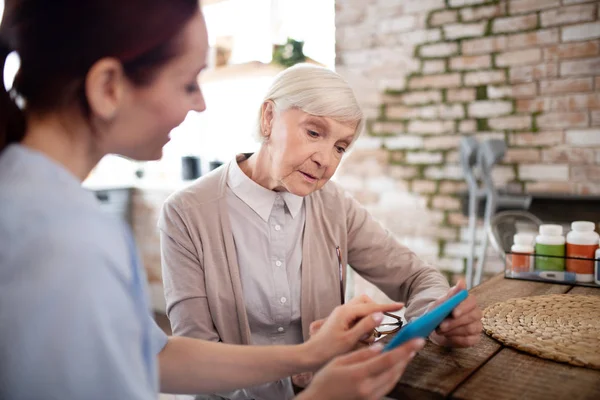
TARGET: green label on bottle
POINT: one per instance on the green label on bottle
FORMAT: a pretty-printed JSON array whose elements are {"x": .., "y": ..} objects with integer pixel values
[{"x": 549, "y": 263}]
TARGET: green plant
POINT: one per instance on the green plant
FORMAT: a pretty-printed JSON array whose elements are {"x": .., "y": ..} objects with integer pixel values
[{"x": 289, "y": 54}]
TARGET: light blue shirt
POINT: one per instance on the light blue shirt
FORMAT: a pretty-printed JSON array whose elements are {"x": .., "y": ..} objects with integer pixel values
[{"x": 74, "y": 313}]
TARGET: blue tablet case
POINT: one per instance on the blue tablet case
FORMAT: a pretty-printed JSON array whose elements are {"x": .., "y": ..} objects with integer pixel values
[{"x": 425, "y": 324}]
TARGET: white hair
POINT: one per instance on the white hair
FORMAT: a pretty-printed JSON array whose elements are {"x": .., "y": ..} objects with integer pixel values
[{"x": 317, "y": 91}]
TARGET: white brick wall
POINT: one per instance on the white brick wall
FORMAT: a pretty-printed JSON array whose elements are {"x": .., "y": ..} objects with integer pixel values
[
  {"x": 485, "y": 109},
  {"x": 445, "y": 172},
  {"x": 519, "y": 57},
  {"x": 583, "y": 137},
  {"x": 581, "y": 32},
  {"x": 458, "y": 3},
  {"x": 458, "y": 31},
  {"x": 435, "y": 81},
  {"x": 532, "y": 78},
  {"x": 544, "y": 172},
  {"x": 424, "y": 158},
  {"x": 421, "y": 97},
  {"x": 517, "y": 122},
  {"x": 513, "y": 24},
  {"x": 568, "y": 15},
  {"x": 439, "y": 49},
  {"x": 523, "y": 6},
  {"x": 433, "y": 127},
  {"x": 484, "y": 77},
  {"x": 444, "y": 17},
  {"x": 471, "y": 62},
  {"x": 484, "y": 45},
  {"x": 580, "y": 67},
  {"x": 483, "y": 12},
  {"x": 515, "y": 91}
]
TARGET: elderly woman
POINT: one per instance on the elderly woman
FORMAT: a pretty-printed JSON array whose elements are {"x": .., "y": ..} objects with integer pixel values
[{"x": 250, "y": 251}]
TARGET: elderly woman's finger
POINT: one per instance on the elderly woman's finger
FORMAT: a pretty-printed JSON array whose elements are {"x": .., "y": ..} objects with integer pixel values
[
  {"x": 471, "y": 329},
  {"x": 450, "y": 324},
  {"x": 465, "y": 306}
]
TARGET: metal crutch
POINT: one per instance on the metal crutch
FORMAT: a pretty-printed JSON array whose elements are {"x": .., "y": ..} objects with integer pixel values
[
  {"x": 468, "y": 160},
  {"x": 489, "y": 154}
]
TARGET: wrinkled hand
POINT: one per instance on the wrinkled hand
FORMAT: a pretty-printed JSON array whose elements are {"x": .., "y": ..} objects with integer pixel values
[
  {"x": 345, "y": 327},
  {"x": 365, "y": 374},
  {"x": 463, "y": 327}
]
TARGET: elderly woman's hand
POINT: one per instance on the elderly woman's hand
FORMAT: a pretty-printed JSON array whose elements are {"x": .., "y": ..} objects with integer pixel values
[{"x": 463, "y": 327}]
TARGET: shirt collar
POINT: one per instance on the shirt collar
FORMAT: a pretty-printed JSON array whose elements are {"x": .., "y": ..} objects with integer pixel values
[{"x": 258, "y": 198}]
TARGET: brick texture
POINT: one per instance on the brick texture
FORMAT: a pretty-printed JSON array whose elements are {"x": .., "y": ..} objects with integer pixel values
[
  {"x": 470, "y": 62},
  {"x": 434, "y": 66},
  {"x": 532, "y": 39},
  {"x": 514, "y": 24},
  {"x": 443, "y": 17},
  {"x": 458, "y": 31},
  {"x": 439, "y": 49},
  {"x": 484, "y": 77},
  {"x": 563, "y": 120},
  {"x": 483, "y": 12},
  {"x": 524, "y": 6},
  {"x": 424, "y": 97},
  {"x": 519, "y": 57},
  {"x": 484, "y": 45},
  {"x": 486, "y": 109},
  {"x": 544, "y": 172},
  {"x": 572, "y": 50},
  {"x": 581, "y": 32},
  {"x": 522, "y": 156},
  {"x": 461, "y": 95},
  {"x": 535, "y": 72},
  {"x": 580, "y": 67},
  {"x": 583, "y": 137},
  {"x": 566, "y": 85},
  {"x": 518, "y": 91},
  {"x": 429, "y": 72},
  {"x": 435, "y": 81},
  {"x": 568, "y": 15},
  {"x": 546, "y": 139}
]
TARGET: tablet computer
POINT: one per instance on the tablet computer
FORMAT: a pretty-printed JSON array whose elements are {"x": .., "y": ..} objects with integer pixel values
[{"x": 426, "y": 323}]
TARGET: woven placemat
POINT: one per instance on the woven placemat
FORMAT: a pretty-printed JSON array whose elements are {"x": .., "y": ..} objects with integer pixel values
[{"x": 564, "y": 328}]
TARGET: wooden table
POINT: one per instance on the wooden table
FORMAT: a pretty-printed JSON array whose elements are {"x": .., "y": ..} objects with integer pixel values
[{"x": 490, "y": 370}]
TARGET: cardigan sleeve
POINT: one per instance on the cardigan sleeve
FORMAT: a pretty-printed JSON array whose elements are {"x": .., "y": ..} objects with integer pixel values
[
  {"x": 382, "y": 260},
  {"x": 183, "y": 278}
]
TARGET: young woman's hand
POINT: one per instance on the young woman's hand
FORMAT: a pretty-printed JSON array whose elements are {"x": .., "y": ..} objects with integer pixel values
[
  {"x": 302, "y": 380},
  {"x": 365, "y": 374},
  {"x": 463, "y": 327},
  {"x": 345, "y": 327}
]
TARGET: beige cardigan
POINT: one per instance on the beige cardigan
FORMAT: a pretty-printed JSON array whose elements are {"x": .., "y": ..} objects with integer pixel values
[{"x": 201, "y": 275}]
